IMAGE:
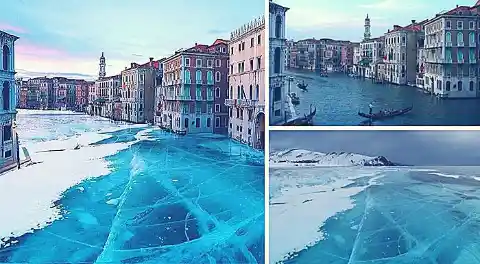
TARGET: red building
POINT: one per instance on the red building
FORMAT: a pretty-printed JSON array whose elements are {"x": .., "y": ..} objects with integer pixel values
[{"x": 81, "y": 95}]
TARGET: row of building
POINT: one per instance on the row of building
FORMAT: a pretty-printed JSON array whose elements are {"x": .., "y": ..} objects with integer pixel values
[
  {"x": 326, "y": 55},
  {"x": 217, "y": 88},
  {"x": 439, "y": 54}
]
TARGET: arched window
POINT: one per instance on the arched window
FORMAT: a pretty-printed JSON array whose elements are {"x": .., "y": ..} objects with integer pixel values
[
  {"x": 460, "y": 84},
  {"x": 448, "y": 86},
  {"x": 278, "y": 27},
  {"x": 198, "y": 76},
  {"x": 471, "y": 37},
  {"x": 187, "y": 76},
  {"x": 251, "y": 92},
  {"x": 6, "y": 96},
  {"x": 218, "y": 76},
  {"x": 460, "y": 38},
  {"x": 209, "y": 76},
  {"x": 238, "y": 93},
  {"x": 6, "y": 57},
  {"x": 276, "y": 60},
  {"x": 186, "y": 122},
  {"x": 472, "y": 86},
  {"x": 242, "y": 93},
  {"x": 448, "y": 37},
  {"x": 257, "y": 92},
  {"x": 230, "y": 95},
  {"x": 217, "y": 92}
]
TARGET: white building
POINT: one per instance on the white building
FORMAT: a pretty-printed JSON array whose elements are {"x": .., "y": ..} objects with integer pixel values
[
  {"x": 9, "y": 141},
  {"x": 277, "y": 49},
  {"x": 246, "y": 100}
]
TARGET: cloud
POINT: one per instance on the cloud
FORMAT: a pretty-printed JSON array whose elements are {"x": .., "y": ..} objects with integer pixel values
[{"x": 7, "y": 27}]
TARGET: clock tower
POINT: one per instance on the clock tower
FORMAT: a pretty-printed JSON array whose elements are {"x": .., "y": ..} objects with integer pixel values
[{"x": 102, "y": 73}]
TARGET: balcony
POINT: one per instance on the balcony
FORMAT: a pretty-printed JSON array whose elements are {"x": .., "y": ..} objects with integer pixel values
[
  {"x": 448, "y": 44},
  {"x": 198, "y": 82},
  {"x": 460, "y": 44},
  {"x": 210, "y": 97},
  {"x": 210, "y": 82},
  {"x": 187, "y": 81},
  {"x": 460, "y": 61},
  {"x": 473, "y": 60}
]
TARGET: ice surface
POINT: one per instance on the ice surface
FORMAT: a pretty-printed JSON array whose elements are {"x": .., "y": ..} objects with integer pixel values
[
  {"x": 375, "y": 215},
  {"x": 136, "y": 195}
]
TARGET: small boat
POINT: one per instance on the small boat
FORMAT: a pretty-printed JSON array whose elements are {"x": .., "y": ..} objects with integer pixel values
[
  {"x": 295, "y": 99},
  {"x": 302, "y": 86},
  {"x": 306, "y": 120},
  {"x": 386, "y": 114}
]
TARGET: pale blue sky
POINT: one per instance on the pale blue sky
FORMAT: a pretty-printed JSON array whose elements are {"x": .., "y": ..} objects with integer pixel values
[
  {"x": 58, "y": 36},
  {"x": 442, "y": 148},
  {"x": 344, "y": 19}
]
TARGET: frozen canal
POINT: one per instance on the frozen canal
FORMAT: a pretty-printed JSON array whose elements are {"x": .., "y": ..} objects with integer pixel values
[{"x": 130, "y": 194}]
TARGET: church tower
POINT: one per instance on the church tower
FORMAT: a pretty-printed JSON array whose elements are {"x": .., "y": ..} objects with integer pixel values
[
  {"x": 102, "y": 73},
  {"x": 367, "y": 35}
]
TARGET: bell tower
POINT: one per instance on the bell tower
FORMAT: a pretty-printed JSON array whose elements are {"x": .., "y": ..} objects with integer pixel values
[
  {"x": 367, "y": 35},
  {"x": 102, "y": 73}
]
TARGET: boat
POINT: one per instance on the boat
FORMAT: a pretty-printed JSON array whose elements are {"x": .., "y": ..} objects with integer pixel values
[
  {"x": 295, "y": 99},
  {"x": 302, "y": 86},
  {"x": 386, "y": 114},
  {"x": 306, "y": 120}
]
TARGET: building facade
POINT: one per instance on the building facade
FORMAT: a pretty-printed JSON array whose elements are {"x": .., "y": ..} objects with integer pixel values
[
  {"x": 277, "y": 94},
  {"x": 9, "y": 143},
  {"x": 138, "y": 92},
  {"x": 246, "y": 101},
  {"x": 194, "y": 88},
  {"x": 451, "y": 53}
]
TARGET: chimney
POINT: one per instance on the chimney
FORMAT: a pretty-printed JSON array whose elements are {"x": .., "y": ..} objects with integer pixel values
[
  {"x": 151, "y": 62},
  {"x": 457, "y": 6},
  {"x": 413, "y": 21},
  {"x": 196, "y": 44},
  {"x": 132, "y": 64}
]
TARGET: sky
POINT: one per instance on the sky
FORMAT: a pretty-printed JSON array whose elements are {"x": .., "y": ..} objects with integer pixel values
[
  {"x": 66, "y": 38},
  {"x": 344, "y": 19},
  {"x": 421, "y": 148}
]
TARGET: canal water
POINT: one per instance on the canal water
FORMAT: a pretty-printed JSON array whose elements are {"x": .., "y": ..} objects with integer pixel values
[
  {"x": 338, "y": 98},
  {"x": 130, "y": 194}
]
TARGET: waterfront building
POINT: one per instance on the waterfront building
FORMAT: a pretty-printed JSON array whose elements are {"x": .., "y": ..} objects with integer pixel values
[
  {"x": 33, "y": 93},
  {"x": 107, "y": 89},
  {"x": 246, "y": 99},
  {"x": 288, "y": 53},
  {"x": 45, "y": 95},
  {"x": 346, "y": 56},
  {"x": 157, "y": 120},
  {"x": 138, "y": 92},
  {"x": 194, "y": 89},
  {"x": 451, "y": 66},
  {"x": 81, "y": 94},
  {"x": 420, "y": 61},
  {"x": 372, "y": 54},
  {"x": 277, "y": 94},
  {"x": 401, "y": 53},
  {"x": 357, "y": 57},
  {"x": 308, "y": 54},
  {"x": 9, "y": 142},
  {"x": 19, "y": 83}
]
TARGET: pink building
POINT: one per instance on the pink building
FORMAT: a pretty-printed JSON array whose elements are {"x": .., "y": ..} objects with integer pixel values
[
  {"x": 194, "y": 86},
  {"x": 346, "y": 57},
  {"x": 246, "y": 99}
]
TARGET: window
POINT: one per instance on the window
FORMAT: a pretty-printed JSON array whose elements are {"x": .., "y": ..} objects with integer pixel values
[
  {"x": 277, "y": 94},
  {"x": 231, "y": 52},
  {"x": 209, "y": 63},
  {"x": 471, "y": 37},
  {"x": 448, "y": 25},
  {"x": 460, "y": 38},
  {"x": 259, "y": 61},
  {"x": 187, "y": 62},
  {"x": 199, "y": 63},
  {"x": 447, "y": 86},
  {"x": 218, "y": 63},
  {"x": 251, "y": 92},
  {"x": 472, "y": 86},
  {"x": 197, "y": 122},
  {"x": 217, "y": 121},
  {"x": 210, "y": 77},
  {"x": 472, "y": 24},
  {"x": 218, "y": 76},
  {"x": 252, "y": 42},
  {"x": 217, "y": 92},
  {"x": 217, "y": 108},
  {"x": 278, "y": 27},
  {"x": 259, "y": 39},
  {"x": 198, "y": 77},
  {"x": 6, "y": 96},
  {"x": 209, "y": 121},
  {"x": 7, "y": 132},
  {"x": 243, "y": 45},
  {"x": 187, "y": 76},
  {"x": 8, "y": 154},
  {"x": 459, "y": 24},
  {"x": 231, "y": 69},
  {"x": 257, "y": 92},
  {"x": 460, "y": 84},
  {"x": 276, "y": 60},
  {"x": 460, "y": 56},
  {"x": 6, "y": 57},
  {"x": 448, "y": 37},
  {"x": 251, "y": 64}
]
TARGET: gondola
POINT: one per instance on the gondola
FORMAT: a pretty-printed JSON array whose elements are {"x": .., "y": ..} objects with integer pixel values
[
  {"x": 302, "y": 86},
  {"x": 306, "y": 120},
  {"x": 386, "y": 114}
]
